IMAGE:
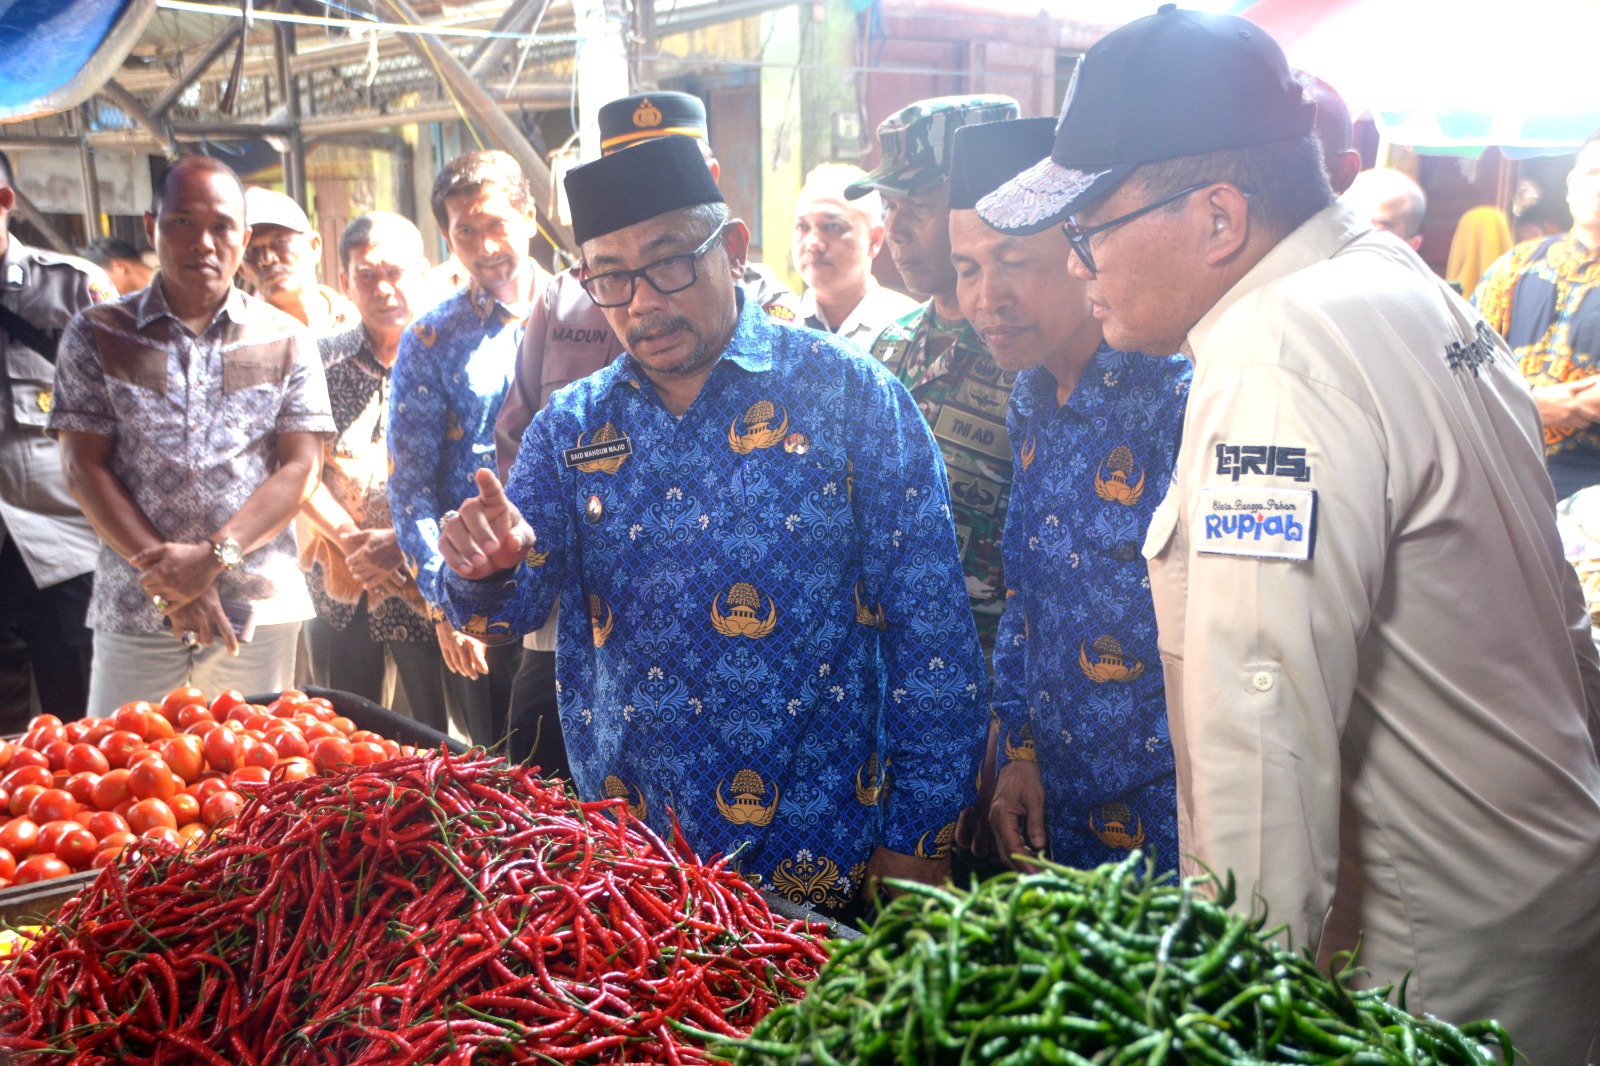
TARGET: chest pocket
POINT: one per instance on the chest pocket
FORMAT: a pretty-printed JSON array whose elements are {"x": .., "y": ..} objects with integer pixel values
[
  {"x": 138, "y": 365},
  {"x": 30, "y": 377},
  {"x": 247, "y": 370}
]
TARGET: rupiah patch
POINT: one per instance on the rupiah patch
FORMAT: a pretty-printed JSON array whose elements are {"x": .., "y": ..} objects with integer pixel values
[{"x": 1268, "y": 523}]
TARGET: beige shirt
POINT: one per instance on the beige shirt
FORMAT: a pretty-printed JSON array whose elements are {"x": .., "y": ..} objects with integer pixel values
[
  {"x": 1394, "y": 738},
  {"x": 877, "y": 309}
]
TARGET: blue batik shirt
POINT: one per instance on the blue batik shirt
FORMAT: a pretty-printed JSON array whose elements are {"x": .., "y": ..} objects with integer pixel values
[
  {"x": 449, "y": 380},
  {"x": 764, "y": 625},
  {"x": 1077, "y": 674}
]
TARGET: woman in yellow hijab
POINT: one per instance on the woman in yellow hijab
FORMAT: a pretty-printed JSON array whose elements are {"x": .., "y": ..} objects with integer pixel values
[{"x": 1482, "y": 236}]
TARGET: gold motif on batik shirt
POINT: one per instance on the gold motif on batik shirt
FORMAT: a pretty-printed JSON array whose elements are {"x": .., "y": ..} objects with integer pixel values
[
  {"x": 1110, "y": 663},
  {"x": 616, "y": 788},
  {"x": 868, "y": 615},
  {"x": 1030, "y": 451},
  {"x": 1024, "y": 751},
  {"x": 809, "y": 879},
  {"x": 606, "y": 435},
  {"x": 452, "y": 426},
  {"x": 425, "y": 333},
  {"x": 535, "y": 557},
  {"x": 1117, "y": 827},
  {"x": 872, "y": 777},
  {"x": 1114, "y": 487},
  {"x": 744, "y": 616},
  {"x": 598, "y": 610},
  {"x": 941, "y": 842},
  {"x": 480, "y": 626},
  {"x": 749, "y": 789},
  {"x": 759, "y": 432}
]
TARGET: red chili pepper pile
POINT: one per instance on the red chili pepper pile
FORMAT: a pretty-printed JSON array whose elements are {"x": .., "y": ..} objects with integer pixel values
[{"x": 429, "y": 909}]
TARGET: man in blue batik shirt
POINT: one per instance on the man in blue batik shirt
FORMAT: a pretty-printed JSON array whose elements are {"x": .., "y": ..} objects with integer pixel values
[
  {"x": 1086, "y": 764},
  {"x": 764, "y": 627},
  {"x": 450, "y": 378}
]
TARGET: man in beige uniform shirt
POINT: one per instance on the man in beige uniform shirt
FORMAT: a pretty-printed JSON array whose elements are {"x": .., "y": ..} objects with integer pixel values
[{"x": 1380, "y": 680}]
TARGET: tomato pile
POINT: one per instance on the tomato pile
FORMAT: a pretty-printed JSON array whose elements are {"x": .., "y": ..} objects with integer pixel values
[
  {"x": 436, "y": 908},
  {"x": 74, "y": 795}
]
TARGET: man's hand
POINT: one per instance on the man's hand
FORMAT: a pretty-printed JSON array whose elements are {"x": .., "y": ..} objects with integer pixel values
[
  {"x": 902, "y": 867},
  {"x": 374, "y": 558},
  {"x": 487, "y": 535},
  {"x": 973, "y": 832},
  {"x": 1569, "y": 405},
  {"x": 204, "y": 618},
  {"x": 177, "y": 572},
  {"x": 1017, "y": 813},
  {"x": 463, "y": 655}
]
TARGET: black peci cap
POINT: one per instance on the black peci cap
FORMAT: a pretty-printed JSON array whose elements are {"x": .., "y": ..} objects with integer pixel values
[
  {"x": 1171, "y": 84},
  {"x": 988, "y": 156},
  {"x": 629, "y": 186},
  {"x": 632, "y": 119}
]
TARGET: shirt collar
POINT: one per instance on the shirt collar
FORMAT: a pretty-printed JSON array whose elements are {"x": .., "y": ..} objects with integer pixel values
[
  {"x": 809, "y": 308},
  {"x": 1320, "y": 237},
  {"x": 1569, "y": 253},
  {"x": 1037, "y": 387},
  {"x": 151, "y": 303},
  {"x": 16, "y": 254}
]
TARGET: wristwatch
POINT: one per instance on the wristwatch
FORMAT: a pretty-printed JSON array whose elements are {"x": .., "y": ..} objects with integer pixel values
[{"x": 228, "y": 552}]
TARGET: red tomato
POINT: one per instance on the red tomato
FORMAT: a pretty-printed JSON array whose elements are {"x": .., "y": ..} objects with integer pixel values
[
  {"x": 260, "y": 753},
  {"x": 19, "y": 836},
  {"x": 76, "y": 730},
  {"x": 201, "y": 728},
  {"x": 217, "y": 808},
  {"x": 42, "y": 720},
  {"x": 41, "y": 868},
  {"x": 164, "y": 833},
  {"x": 364, "y": 734},
  {"x": 150, "y": 813},
  {"x": 56, "y": 751},
  {"x": 205, "y": 789},
  {"x": 134, "y": 718},
  {"x": 37, "y": 739},
  {"x": 24, "y": 756},
  {"x": 223, "y": 748},
  {"x": 86, "y": 758},
  {"x": 249, "y": 778},
  {"x": 185, "y": 808},
  {"x": 407, "y": 750},
  {"x": 5, "y": 752},
  {"x": 391, "y": 750},
  {"x": 192, "y": 713},
  {"x": 185, "y": 755},
  {"x": 365, "y": 753},
  {"x": 239, "y": 712},
  {"x": 260, "y": 723},
  {"x": 112, "y": 790},
  {"x": 82, "y": 788},
  {"x": 317, "y": 730},
  {"x": 99, "y": 729},
  {"x": 84, "y": 817},
  {"x": 151, "y": 779},
  {"x": 50, "y": 834},
  {"x": 77, "y": 847},
  {"x": 288, "y": 741},
  {"x": 52, "y": 805},
  {"x": 234, "y": 727},
  {"x": 224, "y": 700},
  {"x": 120, "y": 746},
  {"x": 8, "y": 864},
  {"x": 179, "y": 698},
  {"x": 105, "y": 857},
  {"x": 328, "y": 752},
  {"x": 103, "y": 823},
  {"x": 27, "y": 775},
  {"x": 117, "y": 841},
  {"x": 159, "y": 728},
  {"x": 295, "y": 768},
  {"x": 344, "y": 725},
  {"x": 192, "y": 833},
  {"x": 22, "y": 798}
]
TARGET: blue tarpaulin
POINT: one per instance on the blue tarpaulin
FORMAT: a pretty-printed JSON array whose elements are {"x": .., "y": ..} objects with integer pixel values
[{"x": 55, "y": 53}]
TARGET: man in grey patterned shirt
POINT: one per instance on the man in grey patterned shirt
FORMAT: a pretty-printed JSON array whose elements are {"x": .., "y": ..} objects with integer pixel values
[{"x": 191, "y": 419}]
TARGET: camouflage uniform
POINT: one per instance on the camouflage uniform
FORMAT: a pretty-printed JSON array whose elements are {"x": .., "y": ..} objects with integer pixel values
[{"x": 957, "y": 385}]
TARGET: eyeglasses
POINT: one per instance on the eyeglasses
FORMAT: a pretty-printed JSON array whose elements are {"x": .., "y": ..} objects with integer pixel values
[
  {"x": 615, "y": 288},
  {"x": 1079, "y": 238},
  {"x": 280, "y": 247}
]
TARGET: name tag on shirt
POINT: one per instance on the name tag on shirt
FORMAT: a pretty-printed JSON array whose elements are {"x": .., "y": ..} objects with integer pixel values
[
  {"x": 1267, "y": 523},
  {"x": 590, "y": 453}
]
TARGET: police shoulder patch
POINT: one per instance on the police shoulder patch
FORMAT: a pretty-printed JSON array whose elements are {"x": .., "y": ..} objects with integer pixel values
[{"x": 1269, "y": 523}]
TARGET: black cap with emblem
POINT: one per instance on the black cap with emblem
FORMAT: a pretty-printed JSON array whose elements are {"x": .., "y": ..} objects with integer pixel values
[
  {"x": 1172, "y": 84},
  {"x": 627, "y": 187},
  {"x": 633, "y": 119},
  {"x": 986, "y": 157}
]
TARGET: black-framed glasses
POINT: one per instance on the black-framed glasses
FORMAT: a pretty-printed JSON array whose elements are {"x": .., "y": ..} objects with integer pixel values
[
  {"x": 1079, "y": 238},
  {"x": 615, "y": 288}
]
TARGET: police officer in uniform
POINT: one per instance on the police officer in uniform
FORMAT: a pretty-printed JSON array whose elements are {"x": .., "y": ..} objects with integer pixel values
[
  {"x": 568, "y": 338},
  {"x": 48, "y": 553}
]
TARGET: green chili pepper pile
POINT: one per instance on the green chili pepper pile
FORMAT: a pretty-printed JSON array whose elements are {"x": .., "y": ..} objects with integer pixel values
[
  {"x": 431, "y": 909},
  {"x": 1091, "y": 968}
]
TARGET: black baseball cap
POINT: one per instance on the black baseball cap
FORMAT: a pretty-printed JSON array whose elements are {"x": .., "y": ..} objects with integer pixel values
[
  {"x": 986, "y": 157},
  {"x": 1171, "y": 84},
  {"x": 629, "y": 186}
]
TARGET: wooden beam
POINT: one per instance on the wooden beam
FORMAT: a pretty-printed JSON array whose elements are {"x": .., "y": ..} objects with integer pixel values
[
  {"x": 130, "y": 106},
  {"x": 213, "y": 52}
]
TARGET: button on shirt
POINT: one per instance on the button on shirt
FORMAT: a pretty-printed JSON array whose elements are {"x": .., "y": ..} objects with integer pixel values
[
  {"x": 1388, "y": 727},
  {"x": 194, "y": 423},
  {"x": 761, "y": 611},
  {"x": 1077, "y": 674},
  {"x": 450, "y": 378},
  {"x": 36, "y": 510},
  {"x": 962, "y": 393}
]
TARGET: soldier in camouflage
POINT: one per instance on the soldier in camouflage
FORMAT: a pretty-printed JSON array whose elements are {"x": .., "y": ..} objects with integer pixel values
[{"x": 932, "y": 350}]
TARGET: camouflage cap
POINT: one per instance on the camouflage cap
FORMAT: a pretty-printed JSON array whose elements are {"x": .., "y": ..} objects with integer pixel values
[{"x": 916, "y": 141}]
